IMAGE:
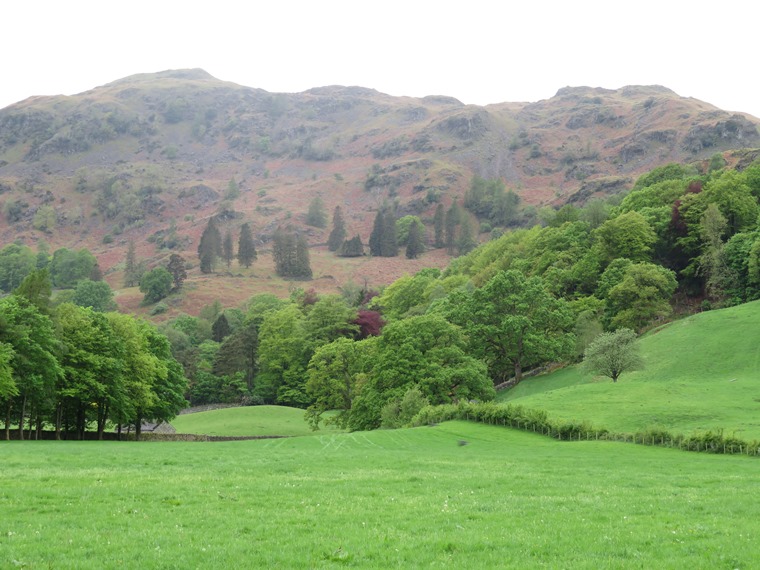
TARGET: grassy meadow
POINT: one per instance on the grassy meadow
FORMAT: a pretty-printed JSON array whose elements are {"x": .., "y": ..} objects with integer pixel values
[
  {"x": 701, "y": 373},
  {"x": 405, "y": 498},
  {"x": 247, "y": 420}
]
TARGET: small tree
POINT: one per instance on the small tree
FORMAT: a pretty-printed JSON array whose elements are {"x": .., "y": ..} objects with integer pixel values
[
  {"x": 246, "y": 254},
  {"x": 210, "y": 247},
  {"x": 338, "y": 233},
  {"x": 316, "y": 216},
  {"x": 176, "y": 267},
  {"x": 156, "y": 284},
  {"x": 613, "y": 353}
]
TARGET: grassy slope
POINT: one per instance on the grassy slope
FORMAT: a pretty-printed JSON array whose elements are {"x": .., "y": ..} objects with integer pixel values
[
  {"x": 701, "y": 373},
  {"x": 249, "y": 420},
  {"x": 404, "y": 498}
]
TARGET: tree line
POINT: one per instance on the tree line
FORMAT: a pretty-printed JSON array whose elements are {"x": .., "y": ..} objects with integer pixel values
[{"x": 72, "y": 368}]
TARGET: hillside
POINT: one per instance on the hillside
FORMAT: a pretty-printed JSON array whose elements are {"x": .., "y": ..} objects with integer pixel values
[
  {"x": 700, "y": 374},
  {"x": 149, "y": 158}
]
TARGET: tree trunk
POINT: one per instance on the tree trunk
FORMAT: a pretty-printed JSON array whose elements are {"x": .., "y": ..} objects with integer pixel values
[
  {"x": 518, "y": 372},
  {"x": 38, "y": 430},
  {"x": 21, "y": 418},
  {"x": 58, "y": 414},
  {"x": 138, "y": 429}
]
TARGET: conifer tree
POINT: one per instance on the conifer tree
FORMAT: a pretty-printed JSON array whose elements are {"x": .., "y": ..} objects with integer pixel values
[
  {"x": 338, "y": 233},
  {"x": 221, "y": 328},
  {"x": 352, "y": 247},
  {"x": 389, "y": 243},
  {"x": 316, "y": 216},
  {"x": 246, "y": 254},
  {"x": 414, "y": 245},
  {"x": 227, "y": 249},
  {"x": 131, "y": 273},
  {"x": 302, "y": 268},
  {"x": 376, "y": 237},
  {"x": 466, "y": 241},
  {"x": 438, "y": 224},
  {"x": 210, "y": 247},
  {"x": 176, "y": 267},
  {"x": 451, "y": 222}
]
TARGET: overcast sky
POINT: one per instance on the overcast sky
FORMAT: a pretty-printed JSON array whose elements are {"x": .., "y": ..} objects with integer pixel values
[{"x": 475, "y": 50}]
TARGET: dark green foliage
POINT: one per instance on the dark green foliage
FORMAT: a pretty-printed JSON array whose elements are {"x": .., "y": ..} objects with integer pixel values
[
  {"x": 132, "y": 273},
  {"x": 415, "y": 246},
  {"x": 291, "y": 255},
  {"x": 176, "y": 267},
  {"x": 438, "y": 225},
  {"x": 227, "y": 249},
  {"x": 316, "y": 215},
  {"x": 68, "y": 267},
  {"x": 156, "y": 284},
  {"x": 238, "y": 353},
  {"x": 452, "y": 220},
  {"x": 490, "y": 200},
  {"x": 210, "y": 247},
  {"x": 94, "y": 294},
  {"x": 466, "y": 241},
  {"x": 352, "y": 247},
  {"x": 37, "y": 288},
  {"x": 375, "y": 238},
  {"x": 220, "y": 329},
  {"x": 246, "y": 249},
  {"x": 338, "y": 233},
  {"x": 382, "y": 240}
]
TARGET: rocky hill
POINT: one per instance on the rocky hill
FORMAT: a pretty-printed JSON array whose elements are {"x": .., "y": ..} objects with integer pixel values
[{"x": 149, "y": 158}]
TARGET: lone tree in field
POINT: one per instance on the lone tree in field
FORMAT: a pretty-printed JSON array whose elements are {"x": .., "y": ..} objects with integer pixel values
[
  {"x": 246, "y": 249},
  {"x": 612, "y": 353}
]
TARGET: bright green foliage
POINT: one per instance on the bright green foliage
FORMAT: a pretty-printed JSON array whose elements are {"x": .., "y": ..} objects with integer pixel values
[
  {"x": 424, "y": 351},
  {"x": 336, "y": 374},
  {"x": 399, "y": 413},
  {"x": 466, "y": 241},
  {"x": 629, "y": 235},
  {"x": 663, "y": 193},
  {"x": 69, "y": 267},
  {"x": 329, "y": 319},
  {"x": 513, "y": 322},
  {"x": 95, "y": 294},
  {"x": 407, "y": 295},
  {"x": 238, "y": 352},
  {"x": 156, "y": 284},
  {"x": 16, "y": 262},
  {"x": 259, "y": 305},
  {"x": 642, "y": 296},
  {"x": 7, "y": 383},
  {"x": 612, "y": 353},
  {"x": 338, "y": 233},
  {"x": 316, "y": 215},
  {"x": 670, "y": 171},
  {"x": 403, "y": 227},
  {"x": 489, "y": 199},
  {"x": 246, "y": 253}
]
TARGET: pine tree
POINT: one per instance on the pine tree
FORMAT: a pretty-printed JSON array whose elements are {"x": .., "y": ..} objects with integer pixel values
[
  {"x": 246, "y": 249},
  {"x": 176, "y": 267},
  {"x": 376, "y": 237},
  {"x": 438, "y": 224},
  {"x": 414, "y": 244},
  {"x": 352, "y": 247},
  {"x": 466, "y": 242},
  {"x": 210, "y": 247},
  {"x": 316, "y": 216},
  {"x": 338, "y": 233},
  {"x": 302, "y": 268},
  {"x": 389, "y": 243},
  {"x": 227, "y": 250},
  {"x": 220, "y": 329},
  {"x": 131, "y": 274},
  {"x": 451, "y": 222}
]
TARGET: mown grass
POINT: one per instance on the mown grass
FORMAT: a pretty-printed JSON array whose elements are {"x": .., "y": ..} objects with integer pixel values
[
  {"x": 701, "y": 373},
  {"x": 247, "y": 420},
  {"x": 406, "y": 498}
]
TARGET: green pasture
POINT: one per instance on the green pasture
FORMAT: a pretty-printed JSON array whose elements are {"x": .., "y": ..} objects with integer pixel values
[
  {"x": 457, "y": 495},
  {"x": 701, "y": 373},
  {"x": 246, "y": 420}
]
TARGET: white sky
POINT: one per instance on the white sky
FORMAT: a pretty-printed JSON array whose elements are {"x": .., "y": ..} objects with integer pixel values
[{"x": 479, "y": 51}]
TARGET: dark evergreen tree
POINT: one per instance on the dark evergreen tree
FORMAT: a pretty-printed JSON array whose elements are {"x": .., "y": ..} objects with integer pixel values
[
  {"x": 176, "y": 267},
  {"x": 246, "y": 249},
  {"x": 466, "y": 241},
  {"x": 389, "y": 242},
  {"x": 450, "y": 224},
  {"x": 131, "y": 273},
  {"x": 338, "y": 233},
  {"x": 227, "y": 250},
  {"x": 284, "y": 252},
  {"x": 316, "y": 216},
  {"x": 352, "y": 247},
  {"x": 302, "y": 269},
  {"x": 221, "y": 328},
  {"x": 438, "y": 224},
  {"x": 414, "y": 244},
  {"x": 238, "y": 353},
  {"x": 210, "y": 247},
  {"x": 376, "y": 237}
]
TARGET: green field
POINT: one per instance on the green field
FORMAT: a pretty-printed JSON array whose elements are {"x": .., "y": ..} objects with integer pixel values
[
  {"x": 386, "y": 499},
  {"x": 701, "y": 373},
  {"x": 247, "y": 420}
]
